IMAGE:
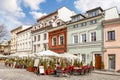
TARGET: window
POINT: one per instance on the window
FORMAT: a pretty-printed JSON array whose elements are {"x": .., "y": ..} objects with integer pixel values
[
  {"x": 83, "y": 37},
  {"x": 50, "y": 22},
  {"x": 111, "y": 35},
  {"x": 45, "y": 36},
  {"x": 38, "y": 47},
  {"x": 34, "y": 48},
  {"x": 94, "y": 13},
  {"x": 61, "y": 40},
  {"x": 83, "y": 58},
  {"x": 34, "y": 38},
  {"x": 93, "y": 21},
  {"x": 54, "y": 41},
  {"x": 83, "y": 24},
  {"x": 45, "y": 46},
  {"x": 75, "y": 39},
  {"x": 93, "y": 36},
  {"x": 75, "y": 26},
  {"x": 58, "y": 23},
  {"x": 38, "y": 37}
]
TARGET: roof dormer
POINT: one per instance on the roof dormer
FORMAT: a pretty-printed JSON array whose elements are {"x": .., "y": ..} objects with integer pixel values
[
  {"x": 77, "y": 17},
  {"x": 94, "y": 12}
]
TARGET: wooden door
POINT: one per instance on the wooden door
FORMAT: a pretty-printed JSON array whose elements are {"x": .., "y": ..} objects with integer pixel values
[{"x": 98, "y": 61}]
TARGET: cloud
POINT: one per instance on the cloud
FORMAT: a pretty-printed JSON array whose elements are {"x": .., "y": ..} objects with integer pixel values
[
  {"x": 33, "y": 4},
  {"x": 11, "y": 12},
  {"x": 36, "y": 14},
  {"x": 84, "y": 5}
]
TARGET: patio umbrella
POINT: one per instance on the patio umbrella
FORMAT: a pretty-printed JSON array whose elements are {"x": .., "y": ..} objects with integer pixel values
[
  {"x": 47, "y": 53},
  {"x": 2, "y": 56},
  {"x": 19, "y": 55},
  {"x": 68, "y": 55},
  {"x": 32, "y": 55},
  {"x": 14, "y": 55}
]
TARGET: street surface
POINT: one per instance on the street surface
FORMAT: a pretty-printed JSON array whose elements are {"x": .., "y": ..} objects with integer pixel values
[{"x": 7, "y": 73}]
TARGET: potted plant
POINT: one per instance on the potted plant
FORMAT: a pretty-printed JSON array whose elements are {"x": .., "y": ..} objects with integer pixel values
[
  {"x": 30, "y": 64},
  {"x": 52, "y": 66},
  {"x": 45, "y": 66}
]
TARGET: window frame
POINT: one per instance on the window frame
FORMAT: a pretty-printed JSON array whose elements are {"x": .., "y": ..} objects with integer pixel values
[
  {"x": 74, "y": 39},
  {"x": 38, "y": 37},
  {"x": 60, "y": 39},
  {"x": 53, "y": 41},
  {"x": 93, "y": 21},
  {"x": 91, "y": 39},
  {"x": 85, "y": 58},
  {"x": 82, "y": 38},
  {"x": 83, "y": 24},
  {"x": 111, "y": 38},
  {"x": 45, "y": 36}
]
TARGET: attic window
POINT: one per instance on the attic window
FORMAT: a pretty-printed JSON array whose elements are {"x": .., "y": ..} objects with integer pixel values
[
  {"x": 50, "y": 22},
  {"x": 58, "y": 23},
  {"x": 35, "y": 27},
  {"x": 55, "y": 17}
]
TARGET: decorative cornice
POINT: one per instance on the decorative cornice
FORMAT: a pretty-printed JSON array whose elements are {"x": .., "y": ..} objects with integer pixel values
[
  {"x": 85, "y": 45},
  {"x": 111, "y": 47},
  {"x": 25, "y": 30},
  {"x": 41, "y": 29},
  {"x": 111, "y": 21},
  {"x": 20, "y": 27},
  {"x": 90, "y": 46}
]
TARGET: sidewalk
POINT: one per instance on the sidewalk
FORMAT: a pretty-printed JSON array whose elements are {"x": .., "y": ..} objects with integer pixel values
[{"x": 106, "y": 72}]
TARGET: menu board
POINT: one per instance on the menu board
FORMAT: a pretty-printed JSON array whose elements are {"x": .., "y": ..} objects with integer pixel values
[
  {"x": 36, "y": 62},
  {"x": 41, "y": 69}
]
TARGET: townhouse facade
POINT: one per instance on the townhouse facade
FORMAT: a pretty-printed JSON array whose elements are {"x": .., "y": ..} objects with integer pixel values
[
  {"x": 93, "y": 37},
  {"x": 14, "y": 39},
  {"x": 14, "y": 36},
  {"x": 57, "y": 39},
  {"x": 84, "y": 37},
  {"x": 40, "y": 29},
  {"x": 112, "y": 40},
  {"x": 40, "y": 39},
  {"x": 24, "y": 41}
]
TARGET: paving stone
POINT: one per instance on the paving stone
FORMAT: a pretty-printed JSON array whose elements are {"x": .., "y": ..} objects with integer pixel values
[{"x": 7, "y": 73}]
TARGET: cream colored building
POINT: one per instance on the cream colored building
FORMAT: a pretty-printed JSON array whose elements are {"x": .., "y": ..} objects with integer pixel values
[
  {"x": 14, "y": 39},
  {"x": 24, "y": 42},
  {"x": 13, "y": 44}
]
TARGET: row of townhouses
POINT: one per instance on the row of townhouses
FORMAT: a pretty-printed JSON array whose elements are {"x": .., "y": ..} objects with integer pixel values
[{"x": 93, "y": 36}]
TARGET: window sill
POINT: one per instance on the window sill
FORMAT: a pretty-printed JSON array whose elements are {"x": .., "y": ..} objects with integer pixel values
[
  {"x": 110, "y": 40},
  {"x": 61, "y": 45},
  {"x": 75, "y": 43},
  {"x": 54, "y": 45}
]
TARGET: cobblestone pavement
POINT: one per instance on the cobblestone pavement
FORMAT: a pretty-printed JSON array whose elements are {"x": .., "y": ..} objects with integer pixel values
[{"x": 7, "y": 73}]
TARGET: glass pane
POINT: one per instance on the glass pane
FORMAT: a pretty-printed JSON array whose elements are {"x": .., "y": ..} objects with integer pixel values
[{"x": 76, "y": 39}]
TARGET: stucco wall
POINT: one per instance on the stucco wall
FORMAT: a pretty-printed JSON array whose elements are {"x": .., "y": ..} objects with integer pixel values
[
  {"x": 112, "y": 47},
  {"x": 65, "y": 14}
]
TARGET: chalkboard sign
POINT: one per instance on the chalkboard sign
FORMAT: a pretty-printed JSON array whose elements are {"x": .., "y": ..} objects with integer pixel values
[{"x": 36, "y": 62}]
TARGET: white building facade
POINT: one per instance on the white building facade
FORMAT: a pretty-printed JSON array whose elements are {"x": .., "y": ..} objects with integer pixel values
[
  {"x": 24, "y": 41},
  {"x": 40, "y": 29}
]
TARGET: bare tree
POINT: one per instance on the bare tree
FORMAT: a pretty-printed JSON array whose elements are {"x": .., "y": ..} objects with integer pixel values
[{"x": 3, "y": 31}]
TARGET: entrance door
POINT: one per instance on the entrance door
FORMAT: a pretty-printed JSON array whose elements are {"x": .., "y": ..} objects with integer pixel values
[
  {"x": 111, "y": 62},
  {"x": 98, "y": 61}
]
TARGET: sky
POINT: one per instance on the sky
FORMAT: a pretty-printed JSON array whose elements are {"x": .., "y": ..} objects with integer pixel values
[{"x": 14, "y": 13}]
